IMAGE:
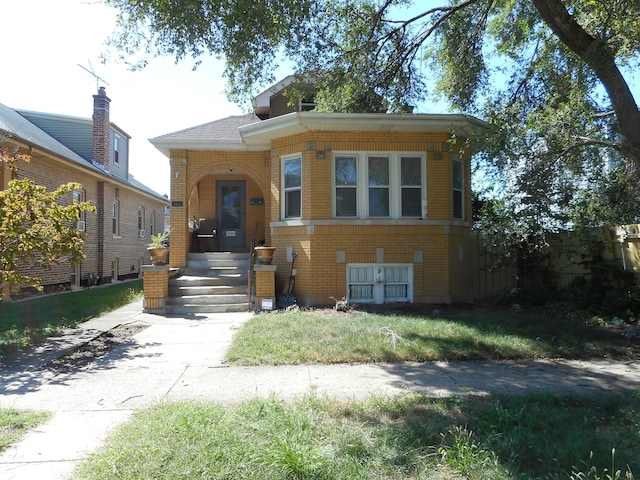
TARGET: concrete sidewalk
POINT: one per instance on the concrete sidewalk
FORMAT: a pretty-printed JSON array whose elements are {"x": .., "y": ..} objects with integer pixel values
[{"x": 180, "y": 358}]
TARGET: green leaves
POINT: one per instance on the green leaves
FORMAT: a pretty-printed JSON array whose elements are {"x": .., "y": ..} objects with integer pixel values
[{"x": 37, "y": 229}]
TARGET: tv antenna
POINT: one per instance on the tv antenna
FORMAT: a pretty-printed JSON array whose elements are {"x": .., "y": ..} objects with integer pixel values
[{"x": 94, "y": 74}]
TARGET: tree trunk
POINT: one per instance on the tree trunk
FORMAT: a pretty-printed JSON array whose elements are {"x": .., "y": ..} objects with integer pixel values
[{"x": 596, "y": 53}]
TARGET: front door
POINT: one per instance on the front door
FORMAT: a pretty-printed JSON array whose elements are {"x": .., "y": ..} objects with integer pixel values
[{"x": 230, "y": 208}]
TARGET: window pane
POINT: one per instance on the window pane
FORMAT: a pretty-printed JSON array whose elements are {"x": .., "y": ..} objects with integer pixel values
[
  {"x": 346, "y": 173},
  {"x": 457, "y": 204},
  {"x": 346, "y": 202},
  {"x": 457, "y": 175},
  {"x": 293, "y": 204},
  {"x": 378, "y": 202},
  {"x": 411, "y": 171},
  {"x": 411, "y": 202},
  {"x": 378, "y": 171},
  {"x": 293, "y": 173}
]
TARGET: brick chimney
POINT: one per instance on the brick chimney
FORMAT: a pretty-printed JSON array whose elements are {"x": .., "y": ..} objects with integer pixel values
[{"x": 101, "y": 130}]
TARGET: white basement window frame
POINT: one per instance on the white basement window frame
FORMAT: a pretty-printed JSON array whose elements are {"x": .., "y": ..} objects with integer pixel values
[{"x": 379, "y": 282}]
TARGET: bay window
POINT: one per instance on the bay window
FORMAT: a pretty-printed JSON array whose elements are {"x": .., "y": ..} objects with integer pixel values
[{"x": 379, "y": 185}]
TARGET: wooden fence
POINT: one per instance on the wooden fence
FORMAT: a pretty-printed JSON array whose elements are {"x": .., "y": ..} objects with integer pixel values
[{"x": 563, "y": 262}]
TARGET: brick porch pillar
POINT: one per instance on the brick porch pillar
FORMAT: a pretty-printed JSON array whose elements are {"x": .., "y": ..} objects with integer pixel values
[
  {"x": 265, "y": 284},
  {"x": 155, "y": 281}
]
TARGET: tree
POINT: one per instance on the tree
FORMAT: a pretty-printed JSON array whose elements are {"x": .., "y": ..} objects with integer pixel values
[
  {"x": 37, "y": 227},
  {"x": 547, "y": 75}
]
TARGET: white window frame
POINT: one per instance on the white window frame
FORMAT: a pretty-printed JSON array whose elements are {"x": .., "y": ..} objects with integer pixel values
[
  {"x": 285, "y": 190},
  {"x": 152, "y": 222},
  {"x": 80, "y": 197},
  {"x": 395, "y": 187},
  {"x": 376, "y": 278},
  {"x": 141, "y": 222},
  {"x": 457, "y": 160},
  {"x": 115, "y": 218},
  {"x": 117, "y": 140}
]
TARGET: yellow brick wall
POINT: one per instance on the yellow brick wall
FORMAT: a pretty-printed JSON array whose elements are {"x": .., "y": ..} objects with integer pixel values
[
  {"x": 433, "y": 246},
  {"x": 440, "y": 277}
]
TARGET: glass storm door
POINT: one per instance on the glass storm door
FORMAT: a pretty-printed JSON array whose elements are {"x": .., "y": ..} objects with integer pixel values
[{"x": 230, "y": 201}]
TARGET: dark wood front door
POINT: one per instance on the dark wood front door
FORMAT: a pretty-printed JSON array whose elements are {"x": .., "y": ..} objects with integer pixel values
[{"x": 231, "y": 213}]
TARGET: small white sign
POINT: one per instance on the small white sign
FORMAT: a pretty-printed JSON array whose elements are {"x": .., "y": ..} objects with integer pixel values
[
  {"x": 231, "y": 233},
  {"x": 267, "y": 304}
]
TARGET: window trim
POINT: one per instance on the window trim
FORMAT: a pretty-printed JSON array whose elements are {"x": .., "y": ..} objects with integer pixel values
[
  {"x": 395, "y": 188},
  {"x": 117, "y": 140},
  {"x": 141, "y": 222},
  {"x": 377, "y": 284},
  {"x": 285, "y": 190},
  {"x": 115, "y": 218},
  {"x": 80, "y": 196},
  {"x": 457, "y": 160},
  {"x": 152, "y": 222}
]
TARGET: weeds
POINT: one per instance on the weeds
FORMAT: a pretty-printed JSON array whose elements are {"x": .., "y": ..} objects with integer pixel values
[{"x": 496, "y": 437}]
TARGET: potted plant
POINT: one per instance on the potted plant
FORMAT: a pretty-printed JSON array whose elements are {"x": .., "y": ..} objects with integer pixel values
[
  {"x": 265, "y": 254},
  {"x": 158, "y": 248}
]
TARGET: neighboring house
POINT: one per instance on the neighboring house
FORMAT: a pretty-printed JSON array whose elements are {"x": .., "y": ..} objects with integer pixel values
[
  {"x": 377, "y": 207},
  {"x": 95, "y": 153}
]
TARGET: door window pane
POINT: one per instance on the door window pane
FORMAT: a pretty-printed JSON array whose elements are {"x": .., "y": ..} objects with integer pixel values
[{"x": 231, "y": 208}]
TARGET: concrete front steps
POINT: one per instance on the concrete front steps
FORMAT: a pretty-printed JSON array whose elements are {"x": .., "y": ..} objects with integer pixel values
[{"x": 212, "y": 282}]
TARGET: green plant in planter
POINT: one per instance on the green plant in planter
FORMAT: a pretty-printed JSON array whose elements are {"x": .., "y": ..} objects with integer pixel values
[
  {"x": 159, "y": 240},
  {"x": 158, "y": 248}
]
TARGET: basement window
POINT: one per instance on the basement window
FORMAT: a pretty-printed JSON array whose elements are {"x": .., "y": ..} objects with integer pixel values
[{"x": 379, "y": 283}]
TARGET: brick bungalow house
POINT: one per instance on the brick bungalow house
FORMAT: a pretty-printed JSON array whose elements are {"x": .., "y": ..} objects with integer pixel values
[
  {"x": 95, "y": 153},
  {"x": 376, "y": 207}
]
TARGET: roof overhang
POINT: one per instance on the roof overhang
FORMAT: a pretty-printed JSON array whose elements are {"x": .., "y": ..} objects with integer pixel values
[
  {"x": 259, "y": 135},
  {"x": 165, "y": 145}
]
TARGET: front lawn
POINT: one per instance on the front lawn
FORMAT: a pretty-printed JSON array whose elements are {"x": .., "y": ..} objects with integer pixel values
[
  {"x": 30, "y": 321},
  {"x": 412, "y": 437},
  {"x": 326, "y": 336},
  {"x": 15, "y": 423}
]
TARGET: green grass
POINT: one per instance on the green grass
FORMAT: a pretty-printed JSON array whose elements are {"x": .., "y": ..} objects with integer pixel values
[
  {"x": 15, "y": 423},
  {"x": 411, "y": 437},
  {"x": 361, "y": 337},
  {"x": 29, "y": 322}
]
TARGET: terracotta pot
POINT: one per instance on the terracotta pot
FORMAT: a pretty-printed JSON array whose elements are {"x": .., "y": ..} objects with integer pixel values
[
  {"x": 265, "y": 254},
  {"x": 158, "y": 255}
]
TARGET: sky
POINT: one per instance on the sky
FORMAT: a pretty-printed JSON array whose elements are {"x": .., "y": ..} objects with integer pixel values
[{"x": 45, "y": 43}]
